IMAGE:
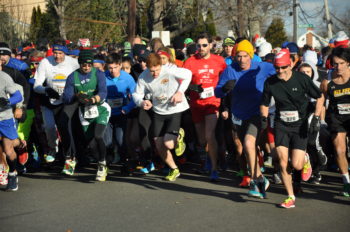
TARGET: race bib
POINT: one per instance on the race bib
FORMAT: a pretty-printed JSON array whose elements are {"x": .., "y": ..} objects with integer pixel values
[
  {"x": 344, "y": 108},
  {"x": 236, "y": 121},
  {"x": 90, "y": 112},
  {"x": 115, "y": 103},
  {"x": 58, "y": 87},
  {"x": 289, "y": 116},
  {"x": 207, "y": 92}
]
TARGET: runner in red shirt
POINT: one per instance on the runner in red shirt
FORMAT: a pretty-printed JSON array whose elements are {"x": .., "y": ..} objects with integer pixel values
[{"x": 206, "y": 69}]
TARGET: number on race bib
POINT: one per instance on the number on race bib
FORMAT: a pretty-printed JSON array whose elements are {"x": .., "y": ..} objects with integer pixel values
[
  {"x": 207, "y": 92},
  {"x": 344, "y": 108},
  {"x": 289, "y": 116},
  {"x": 90, "y": 112},
  {"x": 115, "y": 103}
]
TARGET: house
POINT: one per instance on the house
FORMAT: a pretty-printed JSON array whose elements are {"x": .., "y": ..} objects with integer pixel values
[{"x": 312, "y": 39}]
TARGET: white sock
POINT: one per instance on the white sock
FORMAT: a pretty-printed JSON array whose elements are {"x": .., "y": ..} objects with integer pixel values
[
  {"x": 346, "y": 179},
  {"x": 292, "y": 196}
]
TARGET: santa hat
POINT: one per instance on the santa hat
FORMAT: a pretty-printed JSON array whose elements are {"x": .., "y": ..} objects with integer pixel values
[{"x": 341, "y": 40}]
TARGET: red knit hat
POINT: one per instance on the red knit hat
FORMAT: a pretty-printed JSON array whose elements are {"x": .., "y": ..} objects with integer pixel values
[{"x": 282, "y": 58}]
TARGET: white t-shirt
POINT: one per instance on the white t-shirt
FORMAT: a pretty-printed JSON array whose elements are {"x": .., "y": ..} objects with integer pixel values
[
  {"x": 161, "y": 89},
  {"x": 55, "y": 75}
]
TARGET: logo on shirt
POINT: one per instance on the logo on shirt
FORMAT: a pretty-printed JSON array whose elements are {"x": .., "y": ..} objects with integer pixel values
[{"x": 294, "y": 89}]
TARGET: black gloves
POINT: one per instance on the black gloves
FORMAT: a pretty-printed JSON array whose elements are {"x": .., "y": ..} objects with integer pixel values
[
  {"x": 228, "y": 86},
  {"x": 52, "y": 93},
  {"x": 263, "y": 123},
  {"x": 196, "y": 88},
  {"x": 84, "y": 99},
  {"x": 315, "y": 125},
  {"x": 4, "y": 102}
]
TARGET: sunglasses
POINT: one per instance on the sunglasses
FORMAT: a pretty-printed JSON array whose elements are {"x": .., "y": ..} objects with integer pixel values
[
  {"x": 281, "y": 67},
  {"x": 202, "y": 45},
  {"x": 35, "y": 63}
]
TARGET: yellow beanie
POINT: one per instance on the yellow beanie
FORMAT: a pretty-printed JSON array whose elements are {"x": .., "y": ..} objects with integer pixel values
[{"x": 245, "y": 46}]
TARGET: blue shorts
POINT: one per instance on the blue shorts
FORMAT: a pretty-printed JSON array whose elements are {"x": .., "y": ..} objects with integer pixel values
[{"x": 8, "y": 129}]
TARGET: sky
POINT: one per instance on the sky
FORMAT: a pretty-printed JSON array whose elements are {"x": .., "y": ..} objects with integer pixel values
[{"x": 314, "y": 8}]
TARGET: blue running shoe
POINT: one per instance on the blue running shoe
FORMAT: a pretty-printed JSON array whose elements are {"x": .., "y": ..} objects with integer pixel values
[
  {"x": 149, "y": 168},
  {"x": 263, "y": 186},
  {"x": 254, "y": 190},
  {"x": 214, "y": 176}
]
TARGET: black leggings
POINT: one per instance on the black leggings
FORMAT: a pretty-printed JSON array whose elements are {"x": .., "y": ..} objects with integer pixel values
[{"x": 97, "y": 144}]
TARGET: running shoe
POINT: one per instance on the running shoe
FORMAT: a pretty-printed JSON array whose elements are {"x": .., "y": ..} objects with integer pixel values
[
  {"x": 3, "y": 174},
  {"x": 254, "y": 190},
  {"x": 214, "y": 176},
  {"x": 268, "y": 162},
  {"x": 307, "y": 169},
  {"x": 102, "y": 172},
  {"x": 22, "y": 153},
  {"x": 69, "y": 167},
  {"x": 316, "y": 178},
  {"x": 276, "y": 178},
  {"x": 245, "y": 182},
  {"x": 149, "y": 168},
  {"x": 346, "y": 190},
  {"x": 50, "y": 157},
  {"x": 288, "y": 203},
  {"x": 263, "y": 186},
  {"x": 12, "y": 184},
  {"x": 322, "y": 157},
  {"x": 173, "y": 174},
  {"x": 181, "y": 145}
]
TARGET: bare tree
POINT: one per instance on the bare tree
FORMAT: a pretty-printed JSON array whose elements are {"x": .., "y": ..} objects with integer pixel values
[{"x": 60, "y": 8}]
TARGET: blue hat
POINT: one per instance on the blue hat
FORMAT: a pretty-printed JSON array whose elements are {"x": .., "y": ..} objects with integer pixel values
[{"x": 293, "y": 47}]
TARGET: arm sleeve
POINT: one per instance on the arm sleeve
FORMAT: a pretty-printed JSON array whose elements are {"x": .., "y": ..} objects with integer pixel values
[
  {"x": 183, "y": 74},
  {"x": 69, "y": 93},
  {"x": 131, "y": 104},
  {"x": 15, "y": 98},
  {"x": 39, "y": 77},
  {"x": 266, "y": 96},
  {"x": 139, "y": 93},
  {"x": 102, "y": 87}
]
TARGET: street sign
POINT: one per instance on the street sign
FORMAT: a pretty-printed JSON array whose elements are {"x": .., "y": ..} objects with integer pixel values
[{"x": 306, "y": 25}]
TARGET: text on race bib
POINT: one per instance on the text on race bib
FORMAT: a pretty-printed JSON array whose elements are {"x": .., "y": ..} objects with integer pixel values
[
  {"x": 207, "y": 92},
  {"x": 344, "y": 108},
  {"x": 289, "y": 116},
  {"x": 91, "y": 112}
]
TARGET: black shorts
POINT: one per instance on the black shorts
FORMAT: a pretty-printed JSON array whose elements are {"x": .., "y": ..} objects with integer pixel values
[
  {"x": 338, "y": 123},
  {"x": 292, "y": 137},
  {"x": 165, "y": 124}
]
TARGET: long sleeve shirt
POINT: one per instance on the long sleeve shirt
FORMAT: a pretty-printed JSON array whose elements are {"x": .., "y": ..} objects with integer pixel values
[
  {"x": 119, "y": 91},
  {"x": 162, "y": 88},
  {"x": 69, "y": 91},
  {"x": 54, "y": 74}
]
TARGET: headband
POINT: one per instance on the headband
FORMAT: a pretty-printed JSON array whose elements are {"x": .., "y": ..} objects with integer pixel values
[
  {"x": 163, "y": 53},
  {"x": 99, "y": 61},
  {"x": 74, "y": 52},
  {"x": 60, "y": 48}
]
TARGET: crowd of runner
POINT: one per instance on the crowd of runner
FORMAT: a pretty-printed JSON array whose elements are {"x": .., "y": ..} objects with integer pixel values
[{"x": 230, "y": 103}]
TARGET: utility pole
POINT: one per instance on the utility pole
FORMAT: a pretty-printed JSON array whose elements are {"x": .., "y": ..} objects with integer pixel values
[
  {"x": 295, "y": 20},
  {"x": 329, "y": 22},
  {"x": 132, "y": 20},
  {"x": 240, "y": 18}
]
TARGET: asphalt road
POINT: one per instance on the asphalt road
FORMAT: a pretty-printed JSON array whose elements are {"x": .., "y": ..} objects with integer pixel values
[{"x": 49, "y": 201}]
